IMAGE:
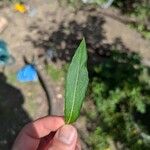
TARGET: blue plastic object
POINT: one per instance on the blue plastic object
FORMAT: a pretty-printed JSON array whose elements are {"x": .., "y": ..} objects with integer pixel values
[
  {"x": 27, "y": 74},
  {"x": 5, "y": 57}
]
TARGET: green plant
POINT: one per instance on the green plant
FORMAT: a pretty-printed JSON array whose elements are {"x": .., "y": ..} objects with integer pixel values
[
  {"x": 141, "y": 28},
  {"x": 140, "y": 11},
  {"x": 119, "y": 93},
  {"x": 76, "y": 84},
  {"x": 97, "y": 139}
]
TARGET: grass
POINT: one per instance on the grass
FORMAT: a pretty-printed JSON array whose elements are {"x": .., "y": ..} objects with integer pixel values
[
  {"x": 140, "y": 28},
  {"x": 54, "y": 72},
  {"x": 11, "y": 78}
]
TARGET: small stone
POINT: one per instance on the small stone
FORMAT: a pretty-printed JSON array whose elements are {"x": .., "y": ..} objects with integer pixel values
[
  {"x": 3, "y": 24},
  {"x": 59, "y": 96}
]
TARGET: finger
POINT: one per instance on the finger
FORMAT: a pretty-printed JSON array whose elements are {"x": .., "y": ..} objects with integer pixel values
[
  {"x": 43, "y": 126},
  {"x": 64, "y": 139},
  {"x": 45, "y": 141},
  {"x": 30, "y": 136},
  {"x": 78, "y": 145}
]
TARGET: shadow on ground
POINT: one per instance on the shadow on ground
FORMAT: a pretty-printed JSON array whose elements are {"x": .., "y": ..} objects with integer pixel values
[{"x": 12, "y": 115}]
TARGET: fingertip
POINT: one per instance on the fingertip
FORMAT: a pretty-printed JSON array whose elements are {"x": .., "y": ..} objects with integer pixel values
[
  {"x": 65, "y": 138},
  {"x": 66, "y": 134}
]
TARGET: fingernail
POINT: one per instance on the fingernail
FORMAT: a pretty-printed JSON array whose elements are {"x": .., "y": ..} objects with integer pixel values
[{"x": 67, "y": 134}]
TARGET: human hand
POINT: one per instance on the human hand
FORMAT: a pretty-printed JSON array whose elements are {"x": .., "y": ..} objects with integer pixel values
[{"x": 48, "y": 133}]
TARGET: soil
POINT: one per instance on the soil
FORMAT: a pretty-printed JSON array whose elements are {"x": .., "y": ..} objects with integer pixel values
[{"x": 55, "y": 27}]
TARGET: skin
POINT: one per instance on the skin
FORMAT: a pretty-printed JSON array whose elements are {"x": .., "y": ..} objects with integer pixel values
[{"x": 48, "y": 133}]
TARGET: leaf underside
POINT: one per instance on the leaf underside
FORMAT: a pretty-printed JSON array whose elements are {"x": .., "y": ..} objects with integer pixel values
[{"x": 76, "y": 84}]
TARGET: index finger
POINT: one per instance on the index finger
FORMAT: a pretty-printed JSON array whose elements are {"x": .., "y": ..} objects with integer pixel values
[
  {"x": 43, "y": 126},
  {"x": 30, "y": 135}
]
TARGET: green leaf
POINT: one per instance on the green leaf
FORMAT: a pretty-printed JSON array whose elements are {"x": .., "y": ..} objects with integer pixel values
[{"x": 76, "y": 84}]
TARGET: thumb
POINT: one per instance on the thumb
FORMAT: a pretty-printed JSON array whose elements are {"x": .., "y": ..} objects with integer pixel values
[{"x": 64, "y": 139}]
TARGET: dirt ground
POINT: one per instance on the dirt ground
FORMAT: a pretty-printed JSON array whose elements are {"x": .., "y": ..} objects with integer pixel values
[{"x": 28, "y": 35}]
